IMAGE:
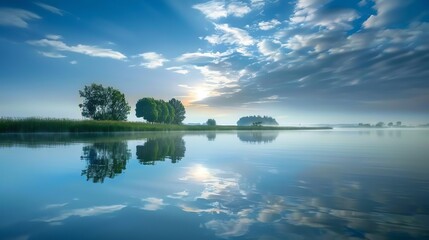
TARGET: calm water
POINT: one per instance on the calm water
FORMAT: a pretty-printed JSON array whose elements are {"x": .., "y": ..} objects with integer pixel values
[{"x": 337, "y": 184}]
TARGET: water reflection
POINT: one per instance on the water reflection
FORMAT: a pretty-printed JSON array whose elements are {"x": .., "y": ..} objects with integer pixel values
[
  {"x": 211, "y": 136},
  {"x": 257, "y": 136},
  {"x": 161, "y": 148},
  {"x": 105, "y": 159}
]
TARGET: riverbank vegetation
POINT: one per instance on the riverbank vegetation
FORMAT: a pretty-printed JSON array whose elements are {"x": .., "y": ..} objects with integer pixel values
[{"x": 31, "y": 125}]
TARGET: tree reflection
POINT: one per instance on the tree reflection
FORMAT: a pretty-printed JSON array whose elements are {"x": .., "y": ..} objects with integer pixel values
[
  {"x": 158, "y": 149},
  {"x": 257, "y": 136},
  {"x": 211, "y": 136},
  {"x": 105, "y": 159}
]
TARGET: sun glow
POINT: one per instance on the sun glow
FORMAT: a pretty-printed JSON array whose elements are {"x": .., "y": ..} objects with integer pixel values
[
  {"x": 200, "y": 94},
  {"x": 199, "y": 173}
]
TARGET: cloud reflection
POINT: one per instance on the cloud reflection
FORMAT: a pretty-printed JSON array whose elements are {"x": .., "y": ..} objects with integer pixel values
[{"x": 84, "y": 212}]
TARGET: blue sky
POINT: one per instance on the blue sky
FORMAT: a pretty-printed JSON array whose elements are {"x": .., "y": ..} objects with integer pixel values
[{"x": 304, "y": 61}]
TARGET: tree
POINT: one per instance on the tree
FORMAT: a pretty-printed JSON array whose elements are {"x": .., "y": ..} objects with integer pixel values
[
  {"x": 249, "y": 120},
  {"x": 398, "y": 123},
  {"x": 390, "y": 124},
  {"x": 179, "y": 111},
  {"x": 380, "y": 124},
  {"x": 211, "y": 122},
  {"x": 147, "y": 109},
  {"x": 102, "y": 103}
]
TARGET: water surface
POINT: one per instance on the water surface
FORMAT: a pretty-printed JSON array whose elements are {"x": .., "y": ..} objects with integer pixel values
[{"x": 333, "y": 184}]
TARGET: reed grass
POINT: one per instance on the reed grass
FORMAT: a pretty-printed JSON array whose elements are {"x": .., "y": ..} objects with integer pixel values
[{"x": 33, "y": 125}]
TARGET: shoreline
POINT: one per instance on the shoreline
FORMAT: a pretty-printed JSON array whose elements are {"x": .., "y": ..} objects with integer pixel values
[{"x": 34, "y": 125}]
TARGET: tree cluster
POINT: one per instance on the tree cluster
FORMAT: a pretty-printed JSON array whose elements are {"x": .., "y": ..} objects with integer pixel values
[
  {"x": 211, "y": 122},
  {"x": 160, "y": 111},
  {"x": 257, "y": 120},
  {"x": 159, "y": 149},
  {"x": 103, "y": 103}
]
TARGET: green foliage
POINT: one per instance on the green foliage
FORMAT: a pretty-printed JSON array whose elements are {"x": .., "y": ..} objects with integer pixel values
[
  {"x": 179, "y": 111},
  {"x": 30, "y": 125},
  {"x": 105, "y": 159},
  {"x": 250, "y": 120},
  {"x": 159, "y": 111},
  {"x": 158, "y": 149},
  {"x": 102, "y": 103},
  {"x": 211, "y": 122},
  {"x": 147, "y": 109}
]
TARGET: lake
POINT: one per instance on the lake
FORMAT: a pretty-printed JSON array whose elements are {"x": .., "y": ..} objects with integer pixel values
[{"x": 327, "y": 184}]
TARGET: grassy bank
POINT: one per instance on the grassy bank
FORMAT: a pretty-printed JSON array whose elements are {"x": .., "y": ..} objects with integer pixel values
[{"x": 31, "y": 125}]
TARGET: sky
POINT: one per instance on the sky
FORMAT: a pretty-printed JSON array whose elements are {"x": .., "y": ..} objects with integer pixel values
[{"x": 299, "y": 61}]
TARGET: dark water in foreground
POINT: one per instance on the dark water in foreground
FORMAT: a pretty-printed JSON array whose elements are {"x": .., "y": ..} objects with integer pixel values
[{"x": 335, "y": 184}]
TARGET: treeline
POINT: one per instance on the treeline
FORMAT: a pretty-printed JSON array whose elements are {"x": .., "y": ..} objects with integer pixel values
[
  {"x": 107, "y": 103},
  {"x": 257, "y": 121},
  {"x": 160, "y": 111}
]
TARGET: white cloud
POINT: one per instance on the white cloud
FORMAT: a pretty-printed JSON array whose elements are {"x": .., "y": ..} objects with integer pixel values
[
  {"x": 53, "y": 37},
  {"x": 93, "y": 51},
  {"x": 179, "y": 70},
  {"x": 203, "y": 55},
  {"x": 16, "y": 17},
  {"x": 84, "y": 212},
  {"x": 55, "y": 205},
  {"x": 153, "y": 204},
  {"x": 230, "y": 35},
  {"x": 257, "y": 3},
  {"x": 179, "y": 195},
  {"x": 270, "y": 49},
  {"x": 232, "y": 228},
  {"x": 52, "y": 54},
  {"x": 219, "y": 9},
  {"x": 50, "y": 8},
  {"x": 152, "y": 60},
  {"x": 268, "y": 25},
  {"x": 384, "y": 13},
  {"x": 238, "y": 9},
  {"x": 73, "y": 62},
  {"x": 310, "y": 13}
]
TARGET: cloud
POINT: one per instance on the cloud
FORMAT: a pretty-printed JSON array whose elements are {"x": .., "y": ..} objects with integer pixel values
[
  {"x": 153, "y": 204},
  {"x": 179, "y": 70},
  {"x": 152, "y": 60},
  {"x": 16, "y": 17},
  {"x": 385, "y": 13},
  {"x": 53, "y": 37},
  {"x": 314, "y": 13},
  {"x": 219, "y": 9},
  {"x": 230, "y": 228},
  {"x": 203, "y": 56},
  {"x": 268, "y": 25},
  {"x": 179, "y": 195},
  {"x": 230, "y": 35},
  {"x": 73, "y": 62},
  {"x": 92, "y": 51},
  {"x": 238, "y": 9},
  {"x": 270, "y": 49},
  {"x": 50, "y": 8},
  {"x": 52, "y": 54},
  {"x": 84, "y": 212}
]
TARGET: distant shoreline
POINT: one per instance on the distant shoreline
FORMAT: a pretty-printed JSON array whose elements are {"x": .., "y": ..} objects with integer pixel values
[{"x": 37, "y": 125}]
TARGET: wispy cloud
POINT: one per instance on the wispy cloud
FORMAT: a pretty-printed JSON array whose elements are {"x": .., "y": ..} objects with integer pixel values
[
  {"x": 50, "y": 8},
  {"x": 51, "y": 54},
  {"x": 92, "y": 51},
  {"x": 269, "y": 24},
  {"x": 16, "y": 17},
  {"x": 152, "y": 60},
  {"x": 220, "y": 9},
  {"x": 230, "y": 35},
  {"x": 385, "y": 13},
  {"x": 84, "y": 212},
  {"x": 179, "y": 70},
  {"x": 153, "y": 204},
  {"x": 193, "y": 56}
]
